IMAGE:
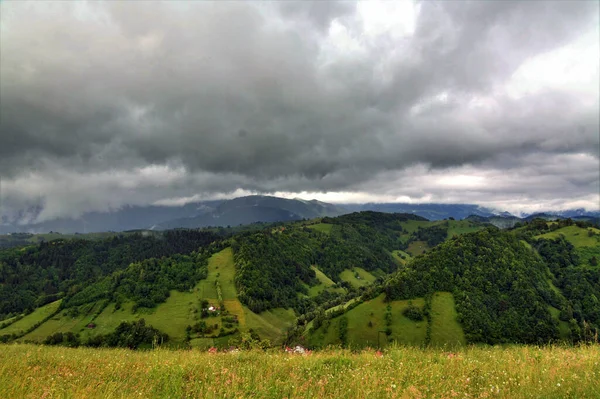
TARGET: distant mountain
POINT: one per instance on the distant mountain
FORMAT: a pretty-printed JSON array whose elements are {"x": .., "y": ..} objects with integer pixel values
[
  {"x": 256, "y": 208},
  {"x": 575, "y": 213},
  {"x": 243, "y": 210},
  {"x": 504, "y": 221},
  {"x": 126, "y": 218},
  {"x": 250, "y": 209},
  {"x": 429, "y": 211}
]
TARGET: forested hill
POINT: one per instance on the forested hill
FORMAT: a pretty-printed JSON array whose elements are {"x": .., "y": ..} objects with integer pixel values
[
  {"x": 35, "y": 275},
  {"x": 501, "y": 287},
  {"x": 421, "y": 282}
]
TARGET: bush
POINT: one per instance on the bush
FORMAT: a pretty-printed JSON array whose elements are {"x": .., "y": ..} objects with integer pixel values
[{"x": 413, "y": 313}]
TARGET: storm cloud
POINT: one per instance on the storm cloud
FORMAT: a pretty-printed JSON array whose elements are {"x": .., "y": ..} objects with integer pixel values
[{"x": 111, "y": 103}]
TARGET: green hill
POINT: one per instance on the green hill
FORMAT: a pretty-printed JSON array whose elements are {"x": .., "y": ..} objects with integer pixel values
[
  {"x": 363, "y": 279},
  {"x": 585, "y": 240}
]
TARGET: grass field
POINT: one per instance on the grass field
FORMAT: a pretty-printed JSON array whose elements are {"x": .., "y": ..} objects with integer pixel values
[
  {"x": 28, "y": 321},
  {"x": 110, "y": 318},
  {"x": 272, "y": 324},
  {"x": 324, "y": 283},
  {"x": 576, "y": 235},
  {"x": 65, "y": 323},
  {"x": 458, "y": 227},
  {"x": 8, "y": 320},
  {"x": 364, "y": 277},
  {"x": 322, "y": 227},
  {"x": 174, "y": 315},
  {"x": 445, "y": 329},
  {"x": 417, "y": 248},
  {"x": 171, "y": 317},
  {"x": 221, "y": 268},
  {"x": 28, "y": 371},
  {"x": 366, "y": 326}
]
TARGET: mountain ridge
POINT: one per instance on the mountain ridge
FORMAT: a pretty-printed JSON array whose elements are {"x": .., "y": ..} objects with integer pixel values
[{"x": 271, "y": 209}]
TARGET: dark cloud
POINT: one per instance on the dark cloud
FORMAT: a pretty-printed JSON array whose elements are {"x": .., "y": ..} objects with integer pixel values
[{"x": 286, "y": 96}]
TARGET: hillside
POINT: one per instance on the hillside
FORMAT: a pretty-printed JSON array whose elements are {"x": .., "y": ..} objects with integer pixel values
[{"x": 361, "y": 279}]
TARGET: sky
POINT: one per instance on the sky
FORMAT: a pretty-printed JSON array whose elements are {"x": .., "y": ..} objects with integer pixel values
[{"x": 107, "y": 104}]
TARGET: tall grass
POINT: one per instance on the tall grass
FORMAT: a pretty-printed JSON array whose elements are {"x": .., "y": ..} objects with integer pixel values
[{"x": 402, "y": 372}]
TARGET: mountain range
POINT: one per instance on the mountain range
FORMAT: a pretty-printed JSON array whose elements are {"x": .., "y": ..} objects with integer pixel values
[{"x": 246, "y": 210}]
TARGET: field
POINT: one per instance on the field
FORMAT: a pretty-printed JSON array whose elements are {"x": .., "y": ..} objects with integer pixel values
[
  {"x": 357, "y": 277},
  {"x": 322, "y": 227},
  {"x": 221, "y": 269},
  {"x": 576, "y": 235},
  {"x": 445, "y": 329},
  {"x": 63, "y": 322},
  {"x": 458, "y": 227},
  {"x": 272, "y": 324},
  {"x": 30, "y": 320},
  {"x": 366, "y": 326},
  {"x": 324, "y": 283},
  {"x": 417, "y": 248},
  {"x": 28, "y": 371}
]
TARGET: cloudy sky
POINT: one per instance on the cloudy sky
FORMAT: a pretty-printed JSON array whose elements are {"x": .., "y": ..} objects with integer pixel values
[{"x": 111, "y": 103}]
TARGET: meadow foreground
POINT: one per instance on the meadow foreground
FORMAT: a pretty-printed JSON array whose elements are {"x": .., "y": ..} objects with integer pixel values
[{"x": 31, "y": 371}]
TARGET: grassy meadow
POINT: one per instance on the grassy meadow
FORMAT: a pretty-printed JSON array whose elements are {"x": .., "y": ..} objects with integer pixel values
[
  {"x": 578, "y": 236},
  {"x": 37, "y": 316},
  {"x": 367, "y": 325},
  {"x": 357, "y": 277},
  {"x": 417, "y": 248},
  {"x": 322, "y": 227},
  {"x": 445, "y": 328},
  {"x": 29, "y": 371}
]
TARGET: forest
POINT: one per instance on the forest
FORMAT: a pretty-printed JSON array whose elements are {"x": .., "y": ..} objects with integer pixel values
[{"x": 34, "y": 275}]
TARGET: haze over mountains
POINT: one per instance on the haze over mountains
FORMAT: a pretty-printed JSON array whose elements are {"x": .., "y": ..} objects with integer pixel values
[{"x": 250, "y": 209}]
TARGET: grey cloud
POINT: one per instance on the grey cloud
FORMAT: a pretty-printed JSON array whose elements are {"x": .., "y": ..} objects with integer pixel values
[
  {"x": 240, "y": 92},
  {"x": 317, "y": 13}
]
